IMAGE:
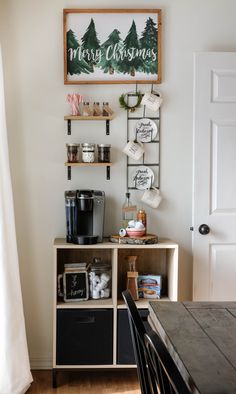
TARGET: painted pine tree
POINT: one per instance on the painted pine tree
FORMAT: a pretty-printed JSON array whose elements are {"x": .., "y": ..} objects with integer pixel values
[
  {"x": 148, "y": 41},
  {"x": 135, "y": 63},
  {"x": 74, "y": 65},
  {"x": 90, "y": 43},
  {"x": 109, "y": 63}
]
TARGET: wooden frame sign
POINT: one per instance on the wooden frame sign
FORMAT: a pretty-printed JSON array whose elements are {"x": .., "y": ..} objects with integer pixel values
[
  {"x": 112, "y": 46},
  {"x": 75, "y": 286}
]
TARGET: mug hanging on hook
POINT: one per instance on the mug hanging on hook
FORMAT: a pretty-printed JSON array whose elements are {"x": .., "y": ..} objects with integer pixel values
[
  {"x": 152, "y": 101},
  {"x": 152, "y": 197}
]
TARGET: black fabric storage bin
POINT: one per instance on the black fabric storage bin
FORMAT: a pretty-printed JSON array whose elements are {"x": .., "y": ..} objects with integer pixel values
[
  {"x": 84, "y": 336},
  {"x": 125, "y": 353}
]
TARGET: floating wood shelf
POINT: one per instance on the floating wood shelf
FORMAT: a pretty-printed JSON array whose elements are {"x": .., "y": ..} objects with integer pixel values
[
  {"x": 96, "y": 164},
  {"x": 69, "y": 118},
  {"x": 75, "y": 117},
  {"x": 88, "y": 164}
]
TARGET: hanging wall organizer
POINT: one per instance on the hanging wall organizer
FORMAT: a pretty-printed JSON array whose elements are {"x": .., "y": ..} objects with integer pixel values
[{"x": 143, "y": 126}]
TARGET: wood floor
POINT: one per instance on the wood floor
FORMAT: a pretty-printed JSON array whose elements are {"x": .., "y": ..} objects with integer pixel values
[{"x": 89, "y": 382}]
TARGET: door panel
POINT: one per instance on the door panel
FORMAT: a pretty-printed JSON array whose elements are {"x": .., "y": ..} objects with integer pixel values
[
  {"x": 214, "y": 254},
  {"x": 223, "y": 180},
  {"x": 224, "y": 86},
  {"x": 222, "y": 272}
]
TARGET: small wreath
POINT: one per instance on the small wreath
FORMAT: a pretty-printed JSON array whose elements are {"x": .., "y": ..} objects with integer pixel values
[{"x": 123, "y": 102}]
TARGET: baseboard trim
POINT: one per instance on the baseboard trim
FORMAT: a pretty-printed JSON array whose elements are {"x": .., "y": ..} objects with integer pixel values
[{"x": 40, "y": 363}]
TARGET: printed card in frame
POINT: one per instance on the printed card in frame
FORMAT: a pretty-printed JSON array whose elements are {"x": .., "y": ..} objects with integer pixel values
[{"x": 112, "y": 46}]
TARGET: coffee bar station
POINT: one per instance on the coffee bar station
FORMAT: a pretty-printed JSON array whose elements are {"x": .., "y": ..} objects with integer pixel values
[
  {"x": 91, "y": 328},
  {"x": 91, "y": 270}
]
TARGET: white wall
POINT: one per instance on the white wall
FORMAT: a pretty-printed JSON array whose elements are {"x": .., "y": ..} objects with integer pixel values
[{"x": 32, "y": 42}]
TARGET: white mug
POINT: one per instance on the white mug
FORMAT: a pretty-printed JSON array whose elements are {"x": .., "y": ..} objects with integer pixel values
[
  {"x": 134, "y": 150},
  {"x": 152, "y": 197},
  {"x": 152, "y": 101}
]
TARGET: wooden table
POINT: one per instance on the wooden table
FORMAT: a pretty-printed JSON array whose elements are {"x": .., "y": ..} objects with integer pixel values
[{"x": 201, "y": 338}]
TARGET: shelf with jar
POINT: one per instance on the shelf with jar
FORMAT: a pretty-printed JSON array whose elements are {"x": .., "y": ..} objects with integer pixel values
[
  {"x": 88, "y": 114},
  {"x": 88, "y": 157}
]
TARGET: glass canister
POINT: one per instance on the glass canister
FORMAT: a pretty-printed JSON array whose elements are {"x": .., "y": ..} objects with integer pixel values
[
  {"x": 86, "y": 109},
  {"x": 96, "y": 109},
  {"x": 72, "y": 153},
  {"x": 106, "y": 110},
  {"x": 100, "y": 279},
  {"x": 104, "y": 153},
  {"x": 142, "y": 217},
  {"x": 88, "y": 152}
]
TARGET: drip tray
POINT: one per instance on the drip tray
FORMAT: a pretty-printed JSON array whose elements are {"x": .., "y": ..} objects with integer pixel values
[{"x": 85, "y": 239}]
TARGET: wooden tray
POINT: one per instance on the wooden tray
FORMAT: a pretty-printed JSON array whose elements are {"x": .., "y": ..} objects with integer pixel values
[{"x": 145, "y": 240}]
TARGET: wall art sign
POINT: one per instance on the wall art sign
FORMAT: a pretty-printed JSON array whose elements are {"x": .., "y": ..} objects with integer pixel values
[
  {"x": 112, "y": 46},
  {"x": 146, "y": 130},
  {"x": 143, "y": 178}
]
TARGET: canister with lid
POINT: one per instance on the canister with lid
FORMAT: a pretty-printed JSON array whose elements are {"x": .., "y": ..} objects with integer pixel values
[
  {"x": 100, "y": 279},
  {"x": 104, "y": 153},
  {"x": 88, "y": 152},
  {"x": 86, "y": 109},
  {"x": 142, "y": 217},
  {"x": 106, "y": 110},
  {"x": 72, "y": 153},
  {"x": 96, "y": 109}
]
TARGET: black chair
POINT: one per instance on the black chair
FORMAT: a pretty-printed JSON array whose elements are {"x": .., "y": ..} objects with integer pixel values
[
  {"x": 156, "y": 369},
  {"x": 163, "y": 372},
  {"x": 138, "y": 332}
]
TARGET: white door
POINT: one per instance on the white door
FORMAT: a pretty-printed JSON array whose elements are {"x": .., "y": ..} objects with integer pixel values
[{"x": 214, "y": 254}]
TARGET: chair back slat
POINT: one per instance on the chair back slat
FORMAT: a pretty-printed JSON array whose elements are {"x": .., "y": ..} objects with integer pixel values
[{"x": 157, "y": 372}]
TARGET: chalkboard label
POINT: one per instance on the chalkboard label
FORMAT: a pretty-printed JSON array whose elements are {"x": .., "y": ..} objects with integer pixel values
[{"x": 75, "y": 286}]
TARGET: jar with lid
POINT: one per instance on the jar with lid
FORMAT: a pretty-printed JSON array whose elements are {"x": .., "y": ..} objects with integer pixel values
[
  {"x": 100, "y": 279},
  {"x": 142, "y": 217},
  {"x": 129, "y": 211},
  {"x": 104, "y": 153},
  {"x": 96, "y": 109},
  {"x": 88, "y": 152},
  {"x": 106, "y": 110},
  {"x": 86, "y": 109},
  {"x": 72, "y": 153}
]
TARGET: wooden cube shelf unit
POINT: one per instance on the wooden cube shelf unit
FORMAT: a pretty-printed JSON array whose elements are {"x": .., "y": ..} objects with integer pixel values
[{"x": 74, "y": 343}]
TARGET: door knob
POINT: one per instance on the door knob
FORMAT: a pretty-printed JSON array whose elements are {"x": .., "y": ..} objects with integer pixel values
[{"x": 204, "y": 229}]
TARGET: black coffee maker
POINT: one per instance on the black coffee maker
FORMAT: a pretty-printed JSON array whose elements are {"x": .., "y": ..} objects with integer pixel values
[{"x": 84, "y": 216}]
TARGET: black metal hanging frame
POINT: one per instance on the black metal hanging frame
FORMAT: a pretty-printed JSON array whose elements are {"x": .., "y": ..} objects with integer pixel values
[{"x": 155, "y": 118}]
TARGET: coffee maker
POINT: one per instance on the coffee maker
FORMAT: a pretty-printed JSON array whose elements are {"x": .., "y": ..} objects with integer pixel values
[{"x": 84, "y": 216}]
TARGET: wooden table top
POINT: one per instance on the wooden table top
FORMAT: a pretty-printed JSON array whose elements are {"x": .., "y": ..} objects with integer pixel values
[{"x": 201, "y": 338}]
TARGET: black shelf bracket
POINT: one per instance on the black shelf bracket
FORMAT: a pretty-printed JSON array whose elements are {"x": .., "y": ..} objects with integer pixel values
[
  {"x": 107, "y": 127},
  {"x": 108, "y": 173},
  {"x": 69, "y": 173},
  {"x": 68, "y": 126}
]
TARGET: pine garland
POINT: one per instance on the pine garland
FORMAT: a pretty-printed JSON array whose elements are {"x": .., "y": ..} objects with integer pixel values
[{"x": 123, "y": 102}]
